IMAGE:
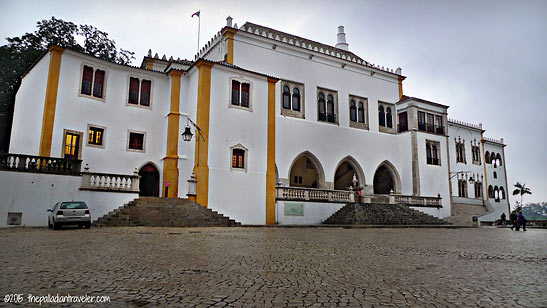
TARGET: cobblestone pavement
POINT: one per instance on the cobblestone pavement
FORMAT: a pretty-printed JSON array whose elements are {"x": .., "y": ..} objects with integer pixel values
[{"x": 278, "y": 267}]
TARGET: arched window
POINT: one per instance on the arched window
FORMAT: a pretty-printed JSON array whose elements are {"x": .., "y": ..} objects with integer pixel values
[
  {"x": 381, "y": 116},
  {"x": 498, "y": 158},
  {"x": 321, "y": 107},
  {"x": 286, "y": 97},
  {"x": 361, "y": 113},
  {"x": 389, "y": 118},
  {"x": 330, "y": 109},
  {"x": 490, "y": 192},
  {"x": 502, "y": 193},
  {"x": 493, "y": 159},
  {"x": 487, "y": 157},
  {"x": 352, "y": 111},
  {"x": 496, "y": 193},
  {"x": 296, "y": 99}
]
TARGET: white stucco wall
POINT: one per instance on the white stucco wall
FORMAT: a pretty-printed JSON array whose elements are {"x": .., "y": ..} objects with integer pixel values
[
  {"x": 28, "y": 111},
  {"x": 500, "y": 181},
  {"x": 239, "y": 194},
  {"x": 32, "y": 194},
  {"x": 314, "y": 213}
]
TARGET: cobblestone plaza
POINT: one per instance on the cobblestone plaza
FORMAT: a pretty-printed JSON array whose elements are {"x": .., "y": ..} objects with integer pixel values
[{"x": 278, "y": 267}]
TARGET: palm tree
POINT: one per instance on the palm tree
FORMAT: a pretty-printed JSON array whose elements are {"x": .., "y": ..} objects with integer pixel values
[{"x": 521, "y": 189}]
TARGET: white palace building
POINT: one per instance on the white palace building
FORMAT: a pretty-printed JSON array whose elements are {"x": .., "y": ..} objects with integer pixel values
[{"x": 281, "y": 126}]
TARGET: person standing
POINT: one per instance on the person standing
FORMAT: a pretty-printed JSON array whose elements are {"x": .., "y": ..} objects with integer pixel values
[
  {"x": 513, "y": 219},
  {"x": 503, "y": 219},
  {"x": 521, "y": 221}
]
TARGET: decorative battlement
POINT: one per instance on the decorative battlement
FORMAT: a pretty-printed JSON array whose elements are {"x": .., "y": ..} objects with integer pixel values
[
  {"x": 209, "y": 45},
  {"x": 312, "y": 46},
  {"x": 500, "y": 141},
  {"x": 462, "y": 123},
  {"x": 39, "y": 164}
]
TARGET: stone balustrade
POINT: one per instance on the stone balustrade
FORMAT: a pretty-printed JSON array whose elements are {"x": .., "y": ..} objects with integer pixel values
[
  {"x": 314, "y": 195},
  {"x": 39, "y": 164},
  {"x": 110, "y": 182},
  {"x": 416, "y": 201}
]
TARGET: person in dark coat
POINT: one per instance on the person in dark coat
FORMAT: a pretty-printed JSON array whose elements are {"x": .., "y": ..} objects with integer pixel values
[
  {"x": 521, "y": 222},
  {"x": 503, "y": 219},
  {"x": 513, "y": 218}
]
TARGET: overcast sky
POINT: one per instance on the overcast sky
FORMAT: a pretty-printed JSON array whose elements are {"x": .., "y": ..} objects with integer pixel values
[{"x": 485, "y": 59}]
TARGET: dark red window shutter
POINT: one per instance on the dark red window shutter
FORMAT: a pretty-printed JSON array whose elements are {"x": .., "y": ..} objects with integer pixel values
[
  {"x": 133, "y": 90},
  {"x": 145, "y": 92},
  {"x": 87, "y": 78},
  {"x": 235, "y": 92},
  {"x": 245, "y": 94},
  {"x": 98, "y": 84}
]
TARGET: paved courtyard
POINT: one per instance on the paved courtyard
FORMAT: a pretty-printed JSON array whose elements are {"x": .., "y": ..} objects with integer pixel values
[{"x": 277, "y": 267}]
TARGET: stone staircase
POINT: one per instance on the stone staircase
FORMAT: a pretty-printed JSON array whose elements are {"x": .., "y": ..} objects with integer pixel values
[
  {"x": 381, "y": 214},
  {"x": 462, "y": 214},
  {"x": 164, "y": 212}
]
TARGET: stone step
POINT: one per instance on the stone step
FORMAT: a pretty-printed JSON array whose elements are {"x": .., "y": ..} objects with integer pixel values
[
  {"x": 164, "y": 212},
  {"x": 381, "y": 214}
]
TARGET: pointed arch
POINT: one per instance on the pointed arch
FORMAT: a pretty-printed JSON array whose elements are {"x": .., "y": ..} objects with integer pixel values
[
  {"x": 386, "y": 178},
  {"x": 302, "y": 168},
  {"x": 149, "y": 183},
  {"x": 343, "y": 175}
]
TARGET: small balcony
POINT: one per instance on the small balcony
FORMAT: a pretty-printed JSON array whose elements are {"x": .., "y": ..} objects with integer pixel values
[{"x": 39, "y": 164}]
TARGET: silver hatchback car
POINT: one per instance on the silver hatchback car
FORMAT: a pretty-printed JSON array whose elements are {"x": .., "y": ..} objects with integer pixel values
[{"x": 69, "y": 213}]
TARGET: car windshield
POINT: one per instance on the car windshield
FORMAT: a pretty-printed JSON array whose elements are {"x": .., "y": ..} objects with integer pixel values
[{"x": 73, "y": 206}]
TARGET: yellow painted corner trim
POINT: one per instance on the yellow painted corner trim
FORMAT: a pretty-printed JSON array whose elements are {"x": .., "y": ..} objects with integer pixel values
[
  {"x": 270, "y": 170},
  {"x": 400, "y": 81},
  {"x": 50, "y": 103},
  {"x": 170, "y": 162},
  {"x": 149, "y": 64},
  {"x": 229, "y": 34},
  {"x": 201, "y": 168}
]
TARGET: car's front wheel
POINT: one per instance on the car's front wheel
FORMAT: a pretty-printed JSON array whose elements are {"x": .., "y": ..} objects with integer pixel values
[{"x": 49, "y": 225}]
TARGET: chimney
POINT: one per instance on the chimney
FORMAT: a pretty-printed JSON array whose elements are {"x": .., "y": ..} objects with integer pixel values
[
  {"x": 229, "y": 22},
  {"x": 341, "y": 39}
]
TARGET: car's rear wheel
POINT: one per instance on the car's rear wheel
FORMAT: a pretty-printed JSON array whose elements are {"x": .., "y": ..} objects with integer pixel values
[
  {"x": 49, "y": 225},
  {"x": 56, "y": 226},
  {"x": 87, "y": 225}
]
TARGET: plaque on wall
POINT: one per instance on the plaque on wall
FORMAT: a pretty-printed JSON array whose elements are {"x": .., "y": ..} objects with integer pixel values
[{"x": 294, "y": 209}]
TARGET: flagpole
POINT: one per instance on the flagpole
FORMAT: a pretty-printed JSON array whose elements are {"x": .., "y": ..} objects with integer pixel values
[{"x": 199, "y": 24}]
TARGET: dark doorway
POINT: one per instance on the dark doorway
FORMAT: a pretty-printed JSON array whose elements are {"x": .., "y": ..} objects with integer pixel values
[
  {"x": 383, "y": 181},
  {"x": 149, "y": 184}
]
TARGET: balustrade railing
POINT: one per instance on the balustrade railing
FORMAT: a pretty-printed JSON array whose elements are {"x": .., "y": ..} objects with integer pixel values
[
  {"x": 417, "y": 201},
  {"x": 110, "y": 182},
  {"x": 39, "y": 164},
  {"x": 314, "y": 195}
]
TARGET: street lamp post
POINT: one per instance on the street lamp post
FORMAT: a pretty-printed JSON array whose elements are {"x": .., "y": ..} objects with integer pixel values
[{"x": 187, "y": 136}]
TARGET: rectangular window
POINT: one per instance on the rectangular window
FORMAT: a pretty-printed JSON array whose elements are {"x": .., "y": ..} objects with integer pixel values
[
  {"x": 98, "y": 84},
  {"x": 139, "y": 92},
  {"x": 432, "y": 153},
  {"x": 478, "y": 190},
  {"x": 439, "y": 129},
  {"x": 238, "y": 158},
  {"x": 72, "y": 145},
  {"x": 136, "y": 141},
  {"x": 235, "y": 92},
  {"x": 403, "y": 122},
  {"x": 87, "y": 79},
  {"x": 133, "y": 91},
  {"x": 145, "y": 92},
  {"x": 95, "y": 135},
  {"x": 421, "y": 120},
  {"x": 430, "y": 123},
  {"x": 245, "y": 94}
]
